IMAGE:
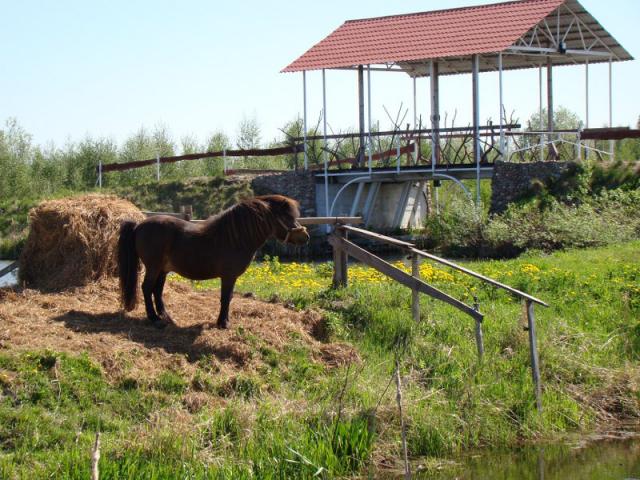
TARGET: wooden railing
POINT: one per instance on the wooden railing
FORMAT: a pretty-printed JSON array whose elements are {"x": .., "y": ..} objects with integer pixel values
[{"x": 343, "y": 248}]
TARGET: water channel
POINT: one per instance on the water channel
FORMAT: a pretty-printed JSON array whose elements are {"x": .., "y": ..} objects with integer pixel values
[
  {"x": 9, "y": 279},
  {"x": 608, "y": 458}
]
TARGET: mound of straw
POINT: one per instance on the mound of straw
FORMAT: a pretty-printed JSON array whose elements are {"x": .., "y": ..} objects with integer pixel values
[{"x": 72, "y": 241}]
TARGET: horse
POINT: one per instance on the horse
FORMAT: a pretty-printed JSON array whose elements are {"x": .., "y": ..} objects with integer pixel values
[{"x": 222, "y": 247}]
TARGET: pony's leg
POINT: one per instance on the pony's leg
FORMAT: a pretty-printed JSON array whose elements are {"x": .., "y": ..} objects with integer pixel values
[
  {"x": 226, "y": 293},
  {"x": 157, "y": 296},
  {"x": 148, "y": 284}
]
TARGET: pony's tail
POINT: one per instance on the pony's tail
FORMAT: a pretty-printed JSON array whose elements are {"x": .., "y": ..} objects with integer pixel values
[{"x": 128, "y": 265}]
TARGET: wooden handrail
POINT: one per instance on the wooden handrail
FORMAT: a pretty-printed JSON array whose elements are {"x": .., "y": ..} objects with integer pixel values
[
  {"x": 399, "y": 276},
  {"x": 479, "y": 276},
  {"x": 411, "y": 248}
]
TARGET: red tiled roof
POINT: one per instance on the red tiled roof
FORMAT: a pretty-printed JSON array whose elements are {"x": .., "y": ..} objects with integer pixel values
[{"x": 428, "y": 35}]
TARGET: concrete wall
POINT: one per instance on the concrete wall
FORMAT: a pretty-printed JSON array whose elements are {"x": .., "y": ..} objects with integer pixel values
[
  {"x": 384, "y": 210},
  {"x": 513, "y": 180}
]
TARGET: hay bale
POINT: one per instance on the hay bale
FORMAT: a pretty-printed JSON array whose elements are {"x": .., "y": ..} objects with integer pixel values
[{"x": 73, "y": 241}]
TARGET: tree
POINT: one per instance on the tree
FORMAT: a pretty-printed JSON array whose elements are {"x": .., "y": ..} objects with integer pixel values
[
  {"x": 248, "y": 134},
  {"x": 563, "y": 119}
]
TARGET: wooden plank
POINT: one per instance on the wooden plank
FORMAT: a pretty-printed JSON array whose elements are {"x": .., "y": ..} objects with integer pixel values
[
  {"x": 329, "y": 220},
  {"x": 260, "y": 152},
  {"x": 400, "y": 276},
  {"x": 302, "y": 220},
  {"x": 378, "y": 237},
  {"x": 491, "y": 281},
  {"x": 170, "y": 214},
  {"x": 406, "y": 133},
  {"x": 533, "y": 350},
  {"x": 9, "y": 268},
  {"x": 618, "y": 133}
]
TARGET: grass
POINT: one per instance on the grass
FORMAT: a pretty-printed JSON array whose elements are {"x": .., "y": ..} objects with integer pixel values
[{"x": 295, "y": 418}]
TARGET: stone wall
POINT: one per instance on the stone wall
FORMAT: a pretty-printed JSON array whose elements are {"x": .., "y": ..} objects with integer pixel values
[
  {"x": 513, "y": 180},
  {"x": 298, "y": 185}
]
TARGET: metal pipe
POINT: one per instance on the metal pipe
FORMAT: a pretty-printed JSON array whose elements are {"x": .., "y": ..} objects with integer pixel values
[
  {"x": 158, "y": 167},
  {"x": 415, "y": 121},
  {"x": 369, "y": 112},
  {"x": 304, "y": 113},
  {"x": 550, "y": 125},
  {"x": 360, "y": 155},
  {"x": 611, "y": 142},
  {"x": 502, "y": 119},
  {"x": 476, "y": 121},
  {"x": 586, "y": 88},
  {"x": 324, "y": 150},
  {"x": 540, "y": 112},
  {"x": 100, "y": 173},
  {"x": 533, "y": 350}
]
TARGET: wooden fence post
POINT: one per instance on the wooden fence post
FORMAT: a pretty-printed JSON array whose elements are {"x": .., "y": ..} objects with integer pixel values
[
  {"x": 415, "y": 294},
  {"x": 535, "y": 367},
  {"x": 187, "y": 212},
  {"x": 340, "y": 276}
]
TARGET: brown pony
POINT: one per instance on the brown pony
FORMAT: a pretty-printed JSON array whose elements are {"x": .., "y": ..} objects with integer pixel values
[{"x": 220, "y": 247}]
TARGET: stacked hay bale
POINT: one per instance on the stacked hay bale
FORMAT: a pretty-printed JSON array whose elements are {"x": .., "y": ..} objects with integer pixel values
[{"x": 73, "y": 241}]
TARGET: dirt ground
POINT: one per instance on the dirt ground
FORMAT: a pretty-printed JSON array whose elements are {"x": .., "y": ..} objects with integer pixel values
[{"x": 90, "y": 319}]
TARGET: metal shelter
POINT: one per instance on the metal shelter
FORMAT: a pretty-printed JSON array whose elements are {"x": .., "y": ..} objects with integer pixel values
[{"x": 520, "y": 34}]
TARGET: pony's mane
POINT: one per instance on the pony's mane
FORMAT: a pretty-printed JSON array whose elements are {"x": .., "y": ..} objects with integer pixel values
[{"x": 250, "y": 219}]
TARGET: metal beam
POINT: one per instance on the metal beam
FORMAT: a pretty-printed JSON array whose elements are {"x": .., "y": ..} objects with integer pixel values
[
  {"x": 476, "y": 121},
  {"x": 569, "y": 52},
  {"x": 550, "y": 125},
  {"x": 304, "y": 113},
  {"x": 502, "y": 119},
  {"x": 325, "y": 152},
  {"x": 360, "y": 156}
]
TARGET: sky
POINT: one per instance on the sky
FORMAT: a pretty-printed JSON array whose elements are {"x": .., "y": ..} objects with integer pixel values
[{"x": 76, "y": 68}]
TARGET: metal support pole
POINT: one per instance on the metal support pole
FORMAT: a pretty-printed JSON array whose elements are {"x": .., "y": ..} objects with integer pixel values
[
  {"x": 415, "y": 121},
  {"x": 158, "y": 167},
  {"x": 550, "y": 125},
  {"x": 415, "y": 295},
  {"x": 535, "y": 368},
  {"x": 304, "y": 118},
  {"x": 611, "y": 142},
  {"x": 479, "y": 334},
  {"x": 324, "y": 150},
  {"x": 502, "y": 119},
  {"x": 398, "y": 154},
  {"x": 360, "y": 156},
  {"x": 435, "y": 125},
  {"x": 540, "y": 113},
  {"x": 586, "y": 93},
  {"x": 100, "y": 173},
  {"x": 476, "y": 121},
  {"x": 369, "y": 112}
]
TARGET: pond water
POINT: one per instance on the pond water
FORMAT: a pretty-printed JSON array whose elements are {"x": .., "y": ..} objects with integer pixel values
[
  {"x": 11, "y": 278},
  {"x": 605, "y": 459}
]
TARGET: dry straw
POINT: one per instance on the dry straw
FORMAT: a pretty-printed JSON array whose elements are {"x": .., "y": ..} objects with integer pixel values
[{"x": 72, "y": 241}]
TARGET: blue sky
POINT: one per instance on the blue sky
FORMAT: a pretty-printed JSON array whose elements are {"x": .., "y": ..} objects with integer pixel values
[{"x": 106, "y": 68}]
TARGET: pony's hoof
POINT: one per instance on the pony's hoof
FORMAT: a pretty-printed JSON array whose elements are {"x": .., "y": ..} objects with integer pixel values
[{"x": 222, "y": 326}]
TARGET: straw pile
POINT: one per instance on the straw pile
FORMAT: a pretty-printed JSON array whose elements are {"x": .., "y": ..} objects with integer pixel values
[{"x": 72, "y": 241}]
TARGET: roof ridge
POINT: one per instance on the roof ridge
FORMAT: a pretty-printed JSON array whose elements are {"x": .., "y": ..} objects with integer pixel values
[{"x": 446, "y": 10}]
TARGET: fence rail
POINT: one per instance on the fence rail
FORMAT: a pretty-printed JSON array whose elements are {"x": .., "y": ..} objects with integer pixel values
[
  {"x": 342, "y": 248},
  {"x": 264, "y": 152}
]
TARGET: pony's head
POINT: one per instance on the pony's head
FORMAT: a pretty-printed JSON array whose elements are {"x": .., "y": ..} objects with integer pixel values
[{"x": 285, "y": 212}]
